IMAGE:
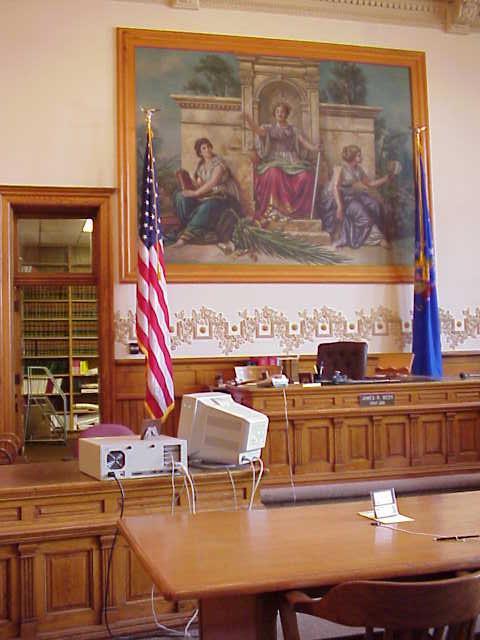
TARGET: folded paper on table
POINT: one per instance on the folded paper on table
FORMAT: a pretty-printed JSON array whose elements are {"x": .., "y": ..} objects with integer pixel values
[{"x": 388, "y": 520}]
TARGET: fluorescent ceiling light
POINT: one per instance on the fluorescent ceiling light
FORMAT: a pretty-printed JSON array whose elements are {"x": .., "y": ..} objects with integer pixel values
[{"x": 88, "y": 226}]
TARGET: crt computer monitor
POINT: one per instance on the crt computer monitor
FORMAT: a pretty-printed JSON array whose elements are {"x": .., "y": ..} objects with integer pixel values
[{"x": 219, "y": 430}]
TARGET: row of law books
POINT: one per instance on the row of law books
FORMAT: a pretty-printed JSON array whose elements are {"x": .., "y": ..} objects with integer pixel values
[
  {"x": 40, "y": 386},
  {"x": 85, "y": 420},
  {"x": 91, "y": 387}
]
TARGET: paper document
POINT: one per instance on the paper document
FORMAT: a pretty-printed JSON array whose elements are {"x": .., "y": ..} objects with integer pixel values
[{"x": 387, "y": 520}]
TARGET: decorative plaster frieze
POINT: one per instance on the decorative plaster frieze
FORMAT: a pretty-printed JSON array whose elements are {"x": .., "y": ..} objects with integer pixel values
[
  {"x": 185, "y": 4},
  {"x": 308, "y": 327},
  {"x": 459, "y": 16},
  {"x": 462, "y": 15}
]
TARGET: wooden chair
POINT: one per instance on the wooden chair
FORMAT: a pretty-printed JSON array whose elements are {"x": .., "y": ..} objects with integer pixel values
[
  {"x": 10, "y": 447},
  {"x": 394, "y": 364},
  {"x": 404, "y": 610}
]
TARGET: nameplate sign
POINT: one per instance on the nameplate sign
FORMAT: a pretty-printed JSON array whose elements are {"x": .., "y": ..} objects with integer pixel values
[{"x": 376, "y": 399}]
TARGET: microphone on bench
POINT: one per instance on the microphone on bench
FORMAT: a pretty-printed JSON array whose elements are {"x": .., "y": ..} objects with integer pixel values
[{"x": 464, "y": 375}]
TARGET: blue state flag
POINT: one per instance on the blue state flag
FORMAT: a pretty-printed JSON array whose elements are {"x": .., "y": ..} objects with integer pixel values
[{"x": 426, "y": 346}]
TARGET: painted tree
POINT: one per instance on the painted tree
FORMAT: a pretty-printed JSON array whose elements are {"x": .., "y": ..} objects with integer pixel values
[
  {"x": 348, "y": 84},
  {"x": 214, "y": 77}
]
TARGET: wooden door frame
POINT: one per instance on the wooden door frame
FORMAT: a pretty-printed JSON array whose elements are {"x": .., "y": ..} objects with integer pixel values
[{"x": 14, "y": 199}]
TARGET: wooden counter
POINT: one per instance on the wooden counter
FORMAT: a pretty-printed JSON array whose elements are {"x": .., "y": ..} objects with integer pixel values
[
  {"x": 56, "y": 532},
  {"x": 429, "y": 427}
]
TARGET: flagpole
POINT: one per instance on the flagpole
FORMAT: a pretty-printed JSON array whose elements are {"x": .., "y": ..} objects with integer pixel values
[
  {"x": 149, "y": 111},
  {"x": 419, "y": 132}
]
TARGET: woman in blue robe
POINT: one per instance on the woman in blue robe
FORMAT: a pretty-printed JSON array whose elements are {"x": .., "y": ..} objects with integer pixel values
[{"x": 211, "y": 209}]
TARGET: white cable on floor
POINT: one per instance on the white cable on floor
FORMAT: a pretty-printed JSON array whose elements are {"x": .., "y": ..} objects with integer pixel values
[{"x": 173, "y": 632}]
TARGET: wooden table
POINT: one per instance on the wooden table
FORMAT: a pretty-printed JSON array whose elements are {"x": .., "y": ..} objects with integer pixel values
[{"x": 235, "y": 562}]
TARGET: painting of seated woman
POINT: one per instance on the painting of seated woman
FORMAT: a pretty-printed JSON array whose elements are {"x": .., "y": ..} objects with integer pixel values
[
  {"x": 284, "y": 180},
  {"x": 209, "y": 207},
  {"x": 351, "y": 209}
]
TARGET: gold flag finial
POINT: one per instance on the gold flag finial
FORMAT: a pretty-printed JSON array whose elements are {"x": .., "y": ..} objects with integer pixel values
[
  {"x": 148, "y": 111},
  {"x": 418, "y": 135}
]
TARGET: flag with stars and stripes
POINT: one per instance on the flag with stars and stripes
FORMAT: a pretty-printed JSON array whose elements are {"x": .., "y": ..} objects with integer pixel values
[
  {"x": 152, "y": 321},
  {"x": 426, "y": 322}
]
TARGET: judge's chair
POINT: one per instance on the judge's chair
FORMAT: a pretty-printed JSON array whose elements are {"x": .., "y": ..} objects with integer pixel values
[
  {"x": 403, "y": 610},
  {"x": 350, "y": 358}
]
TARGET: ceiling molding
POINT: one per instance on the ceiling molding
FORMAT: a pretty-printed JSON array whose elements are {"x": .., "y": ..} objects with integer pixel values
[
  {"x": 454, "y": 16},
  {"x": 463, "y": 16}
]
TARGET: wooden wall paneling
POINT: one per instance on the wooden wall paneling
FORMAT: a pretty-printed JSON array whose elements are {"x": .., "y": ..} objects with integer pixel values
[
  {"x": 29, "y": 581},
  {"x": 432, "y": 438},
  {"x": 226, "y": 499},
  {"x": 9, "y": 592},
  {"x": 133, "y": 589},
  {"x": 72, "y": 596},
  {"x": 358, "y": 443},
  {"x": 276, "y": 450},
  {"x": 105, "y": 543},
  {"x": 130, "y": 412},
  {"x": 466, "y": 430},
  {"x": 452, "y": 437},
  {"x": 338, "y": 444},
  {"x": 394, "y": 441},
  {"x": 314, "y": 446},
  {"x": 455, "y": 362}
]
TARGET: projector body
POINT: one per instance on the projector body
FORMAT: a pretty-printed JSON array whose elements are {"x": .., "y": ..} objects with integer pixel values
[{"x": 129, "y": 456}]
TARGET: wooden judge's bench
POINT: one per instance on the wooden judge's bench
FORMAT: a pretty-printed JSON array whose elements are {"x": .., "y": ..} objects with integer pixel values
[{"x": 364, "y": 431}]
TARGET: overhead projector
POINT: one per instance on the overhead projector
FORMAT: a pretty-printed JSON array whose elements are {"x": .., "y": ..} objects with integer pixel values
[{"x": 130, "y": 456}]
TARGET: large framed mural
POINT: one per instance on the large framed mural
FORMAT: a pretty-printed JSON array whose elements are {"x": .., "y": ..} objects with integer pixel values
[{"x": 277, "y": 160}]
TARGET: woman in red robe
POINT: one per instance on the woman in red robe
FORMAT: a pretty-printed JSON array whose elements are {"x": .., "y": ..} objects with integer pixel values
[{"x": 283, "y": 182}]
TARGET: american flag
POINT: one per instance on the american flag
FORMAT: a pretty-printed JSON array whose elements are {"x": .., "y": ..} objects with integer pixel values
[{"x": 153, "y": 325}]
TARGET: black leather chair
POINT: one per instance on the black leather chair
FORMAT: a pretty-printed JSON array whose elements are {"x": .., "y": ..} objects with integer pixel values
[{"x": 350, "y": 358}]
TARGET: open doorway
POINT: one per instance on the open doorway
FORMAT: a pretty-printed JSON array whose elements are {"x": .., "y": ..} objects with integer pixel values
[{"x": 57, "y": 311}]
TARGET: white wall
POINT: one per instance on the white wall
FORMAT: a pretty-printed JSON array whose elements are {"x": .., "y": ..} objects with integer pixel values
[{"x": 58, "y": 127}]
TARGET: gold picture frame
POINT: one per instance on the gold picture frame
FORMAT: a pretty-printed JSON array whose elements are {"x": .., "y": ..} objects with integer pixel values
[{"x": 147, "y": 62}]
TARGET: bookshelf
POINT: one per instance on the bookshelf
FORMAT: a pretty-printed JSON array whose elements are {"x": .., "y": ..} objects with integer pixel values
[{"x": 60, "y": 333}]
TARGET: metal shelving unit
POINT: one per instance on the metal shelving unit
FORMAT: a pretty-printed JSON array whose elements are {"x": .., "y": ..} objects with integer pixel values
[{"x": 46, "y": 407}]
